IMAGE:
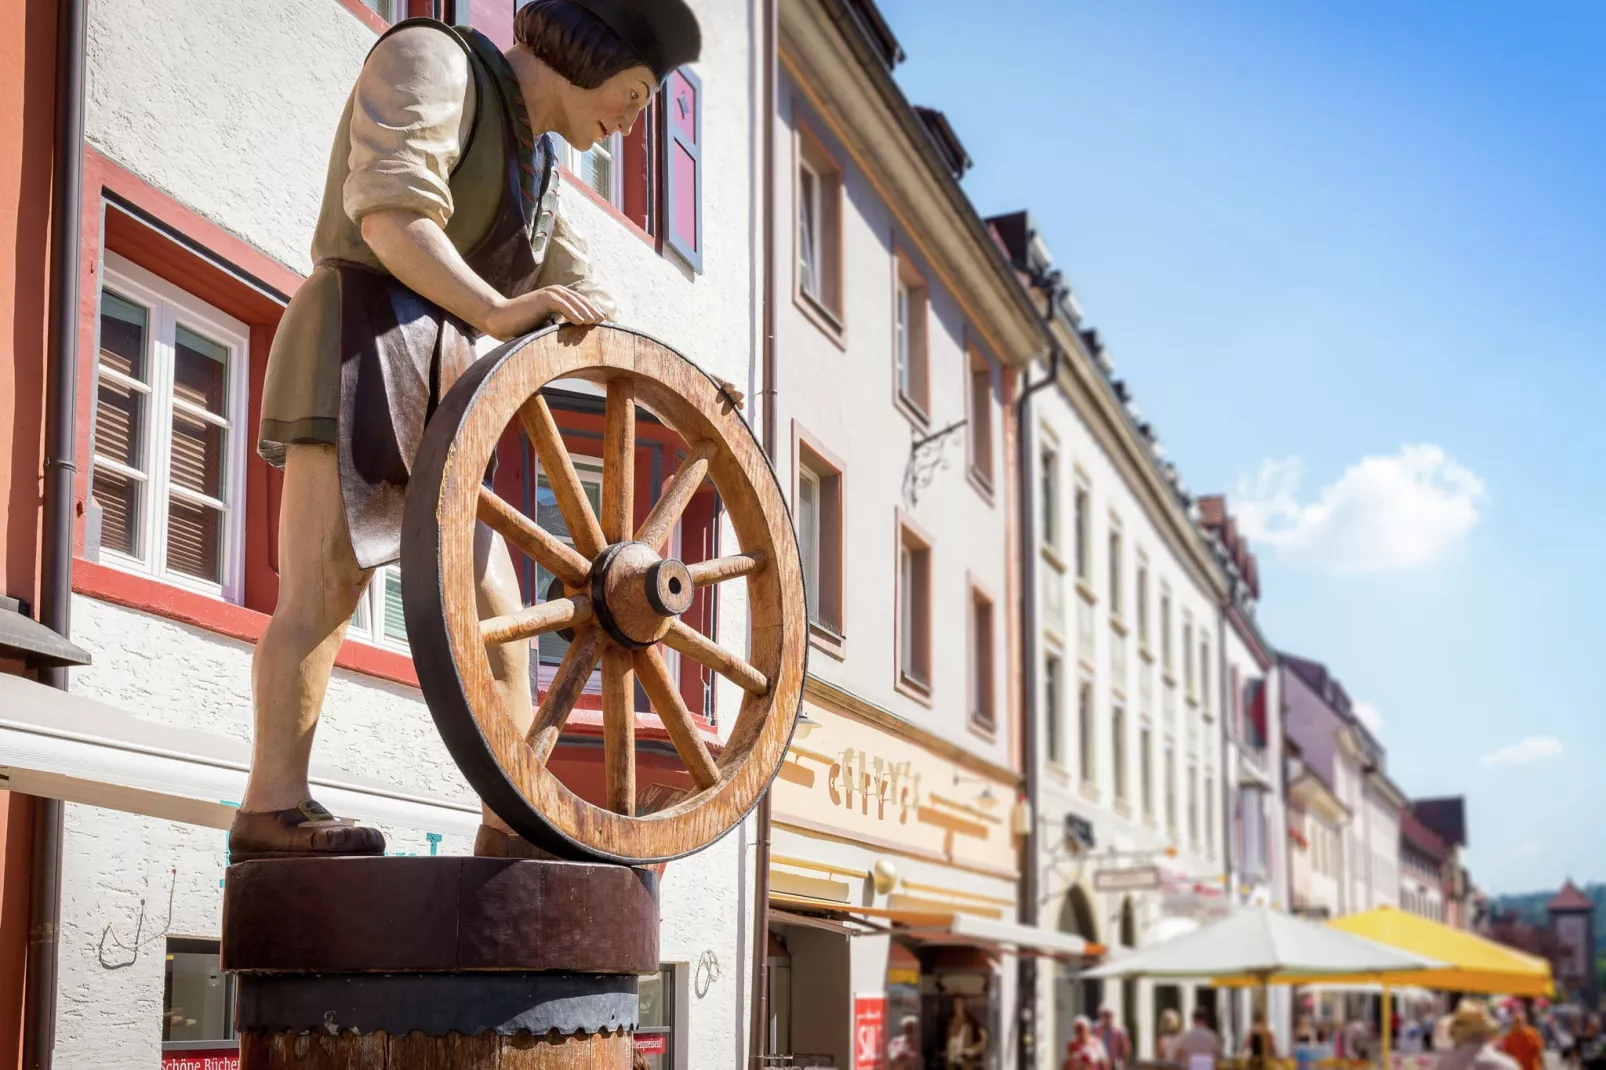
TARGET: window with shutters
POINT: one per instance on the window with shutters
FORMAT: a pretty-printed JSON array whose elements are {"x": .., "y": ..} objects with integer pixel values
[
  {"x": 168, "y": 481},
  {"x": 1146, "y": 770},
  {"x": 910, "y": 364},
  {"x": 1084, "y": 731},
  {"x": 1118, "y": 750},
  {"x": 981, "y": 422},
  {"x": 818, "y": 515},
  {"x": 378, "y": 618},
  {"x": 983, "y": 685},
  {"x": 914, "y": 611},
  {"x": 817, "y": 189},
  {"x": 1053, "y": 703}
]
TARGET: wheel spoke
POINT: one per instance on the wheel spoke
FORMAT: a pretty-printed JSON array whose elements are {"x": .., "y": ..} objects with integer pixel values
[
  {"x": 570, "y": 680},
  {"x": 532, "y": 621},
  {"x": 559, "y": 558},
  {"x": 720, "y": 569},
  {"x": 619, "y": 730},
  {"x": 666, "y": 514},
  {"x": 619, "y": 460},
  {"x": 672, "y": 711},
  {"x": 560, "y": 473},
  {"x": 697, "y": 646}
]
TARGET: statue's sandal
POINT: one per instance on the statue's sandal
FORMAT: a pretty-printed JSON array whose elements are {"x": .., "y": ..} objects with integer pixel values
[{"x": 306, "y": 830}]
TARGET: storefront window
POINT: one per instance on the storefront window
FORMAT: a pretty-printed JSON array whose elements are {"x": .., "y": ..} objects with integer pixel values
[
  {"x": 656, "y": 1039},
  {"x": 197, "y": 996}
]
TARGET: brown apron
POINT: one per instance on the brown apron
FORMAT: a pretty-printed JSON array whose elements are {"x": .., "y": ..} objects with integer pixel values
[{"x": 400, "y": 353}]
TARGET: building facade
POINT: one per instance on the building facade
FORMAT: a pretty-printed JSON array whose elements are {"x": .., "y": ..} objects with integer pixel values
[
  {"x": 1258, "y": 869},
  {"x": 207, "y": 134},
  {"x": 900, "y": 335},
  {"x": 1424, "y": 869},
  {"x": 1125, "y": 659}
]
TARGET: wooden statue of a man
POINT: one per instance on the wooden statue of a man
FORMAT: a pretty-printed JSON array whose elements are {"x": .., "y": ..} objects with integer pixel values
[{"x": 439, "y": 223}]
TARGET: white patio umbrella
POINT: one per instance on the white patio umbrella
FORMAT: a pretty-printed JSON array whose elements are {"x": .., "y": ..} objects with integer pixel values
[
  {"x": 1255, "y": 943},
  {"x": 1258, "y": 943}
]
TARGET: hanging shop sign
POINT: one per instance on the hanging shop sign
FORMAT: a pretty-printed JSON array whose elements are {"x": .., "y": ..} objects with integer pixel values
[
  {"x": 1131, "y": 879},
  {"x": 869, "y": 1032}
]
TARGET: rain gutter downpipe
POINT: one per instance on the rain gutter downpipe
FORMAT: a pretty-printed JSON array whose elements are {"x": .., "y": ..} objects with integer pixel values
[
  {"x": 1051, "y": 285},
  {"x": 60, "y": 473},
  {"x": 759, "y": 997}
]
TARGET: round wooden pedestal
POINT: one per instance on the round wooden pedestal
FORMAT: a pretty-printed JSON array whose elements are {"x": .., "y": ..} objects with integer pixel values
[{"x": 438, "y": 963}]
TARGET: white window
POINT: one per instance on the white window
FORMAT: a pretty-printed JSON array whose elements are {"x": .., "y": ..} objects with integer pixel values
[
  {"x": 389, "y": 10},
  {"x": 378, "y": 618},
  {"x": 1053, "y": 692},
  {"x": 553, "y": 646},
  {"x": 1049, "y": 472},
  {"x": 169, "y": 460},
  {"x": 599, "y": 167},
  {"x": 1146, "y": 769},
  {"x": 810, "y": 237},
  {"x": 808, "y": 536}
]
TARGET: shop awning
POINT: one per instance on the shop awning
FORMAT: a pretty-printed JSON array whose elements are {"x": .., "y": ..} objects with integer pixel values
[
  {"x": 65, "y": 746},
  {"x": 950, "y": 928}
]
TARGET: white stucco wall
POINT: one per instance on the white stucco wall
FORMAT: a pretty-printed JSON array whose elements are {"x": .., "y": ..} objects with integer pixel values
[{"x": 842, "y": 396}]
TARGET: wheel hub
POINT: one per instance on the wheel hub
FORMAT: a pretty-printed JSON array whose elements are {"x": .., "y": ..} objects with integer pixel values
[{"x": 635, "y": 594}]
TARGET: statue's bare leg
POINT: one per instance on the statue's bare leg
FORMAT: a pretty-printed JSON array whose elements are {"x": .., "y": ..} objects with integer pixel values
[
  {"x": 319, "y": 585},
  {"x": 510, "y": 667}
]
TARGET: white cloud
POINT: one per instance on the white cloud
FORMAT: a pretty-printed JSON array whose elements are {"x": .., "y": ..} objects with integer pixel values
[
  {"x": 1367, "y": 714},
  {"x": 1532, "y": 749},
  {"x": 1383, "y": 514}
]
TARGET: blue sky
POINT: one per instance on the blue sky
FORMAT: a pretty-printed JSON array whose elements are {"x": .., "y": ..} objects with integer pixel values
[{"x": 1352, "y": 260}]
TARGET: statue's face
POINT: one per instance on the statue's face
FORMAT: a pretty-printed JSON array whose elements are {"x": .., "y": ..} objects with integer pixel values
[{"x": 592, "y": 115}]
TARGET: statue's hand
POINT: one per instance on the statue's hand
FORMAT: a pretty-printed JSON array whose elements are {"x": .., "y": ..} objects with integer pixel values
[{"x": 519, "y": 315}]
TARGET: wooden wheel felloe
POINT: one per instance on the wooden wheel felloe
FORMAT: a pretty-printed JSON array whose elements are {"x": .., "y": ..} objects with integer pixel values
[{"x": 621, "y": 597}]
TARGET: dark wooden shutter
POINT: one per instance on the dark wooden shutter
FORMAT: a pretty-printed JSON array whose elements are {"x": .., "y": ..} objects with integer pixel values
[{"x": 683, "y": 166}]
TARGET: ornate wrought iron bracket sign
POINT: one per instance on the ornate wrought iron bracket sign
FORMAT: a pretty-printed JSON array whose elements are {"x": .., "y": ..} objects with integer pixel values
[{"x": 926, "y": 459}]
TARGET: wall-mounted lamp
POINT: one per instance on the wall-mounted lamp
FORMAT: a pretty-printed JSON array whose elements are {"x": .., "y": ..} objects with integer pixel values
[
  {"x": 986, "y": 799},
  {"x": 805, "y": 726}
]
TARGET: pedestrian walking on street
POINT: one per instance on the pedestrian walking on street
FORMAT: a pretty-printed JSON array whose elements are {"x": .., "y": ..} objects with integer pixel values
[
  {"x": 1589, "y": 1051},
  {"x": 1522, "y": 1041},
  {"x": 1170, "y": 1029},
  {"x": 1117, "y": 1045},
  {"x": 1261, "y": 1044},
  {"x": 1472, "y": 1031},
  {"x": 1085, "y": 1051},
  {"x": 904, "y": 1051},
  {"x": 1198, "y": 1039}
]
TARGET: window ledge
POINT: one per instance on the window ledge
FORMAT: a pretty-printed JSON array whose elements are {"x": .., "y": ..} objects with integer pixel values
[
  {"x": 1169, "y": 678},
  {"x": 1192, "y": 701},
  {"x": 828, "y": 642},
  {"x": 1089, "y": 790},
  {"x": 822, "y": 317},
  {"x": 1118, "y": 625},
  {"x": 985, "y": 727},
  {"x": 909, "y": 687},
  {"x": 95, "y": 580},
  {"x": 1052, "y": 556},
  {"x": 910, "y": 408},
  {"x": 1086, "y": 591},
  {"x": 1123, "y": 808},
  {"x": 981, "y": 483},
  {"x": 1149, "y": 821},
  {"x": 1059, "y": 774}
]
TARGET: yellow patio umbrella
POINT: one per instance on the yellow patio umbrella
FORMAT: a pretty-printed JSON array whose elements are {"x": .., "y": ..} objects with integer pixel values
[{"x": 1472, "y": 964}]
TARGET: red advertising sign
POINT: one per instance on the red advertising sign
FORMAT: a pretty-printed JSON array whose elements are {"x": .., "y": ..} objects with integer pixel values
[
  {"x": 869, "y": 1032},
  {"x": 652, "y": 1043},
  {"x": 202, "y": 1059}
]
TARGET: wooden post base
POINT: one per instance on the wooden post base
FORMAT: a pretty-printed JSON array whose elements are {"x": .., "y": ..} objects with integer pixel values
[{"x": 438, "y": 963}]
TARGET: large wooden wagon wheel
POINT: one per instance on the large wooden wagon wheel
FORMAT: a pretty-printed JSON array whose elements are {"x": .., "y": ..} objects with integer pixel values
[{"x": 622, "y": 597}]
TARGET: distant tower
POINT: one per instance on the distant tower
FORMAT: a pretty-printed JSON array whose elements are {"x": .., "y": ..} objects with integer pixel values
[{"x": 1572, "y": 919}]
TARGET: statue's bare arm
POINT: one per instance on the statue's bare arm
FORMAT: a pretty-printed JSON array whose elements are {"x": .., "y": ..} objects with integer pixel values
[{"x": 417, "y": 252}]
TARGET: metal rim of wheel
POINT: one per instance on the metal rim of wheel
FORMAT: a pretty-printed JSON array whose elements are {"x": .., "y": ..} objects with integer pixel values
[{"x": 623, "y": 596}]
